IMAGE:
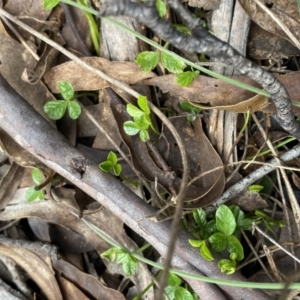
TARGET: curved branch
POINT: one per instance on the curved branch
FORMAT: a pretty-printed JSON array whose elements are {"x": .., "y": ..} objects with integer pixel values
[{"x": 201, "y": 41}]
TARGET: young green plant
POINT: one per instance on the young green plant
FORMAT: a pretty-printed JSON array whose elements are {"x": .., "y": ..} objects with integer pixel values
[
  {"x": 221, "y": 233},
  {"x": 55, "y": 109},
  {"x": 141, "y": 119}
]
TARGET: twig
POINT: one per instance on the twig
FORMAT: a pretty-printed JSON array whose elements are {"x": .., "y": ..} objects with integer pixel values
[
  {"x": 240, "y": 186},
  {"x": 275, "y": 243}
]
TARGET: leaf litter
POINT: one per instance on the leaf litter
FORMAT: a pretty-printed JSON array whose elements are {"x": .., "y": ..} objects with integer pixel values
[{"x": 207, "y": 179}]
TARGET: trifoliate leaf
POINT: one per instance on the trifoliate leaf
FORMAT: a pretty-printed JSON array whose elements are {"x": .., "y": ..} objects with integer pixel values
[
  {"x": 66, "y": 90},
  {"x": 186, "y": 78},
  {"x": 196, "y": 243},
  {"x": 74, "y": 110},
  {"x": 172, "y": 64},
  {"x": 147, "y": 60},
  {"x": 131, "y": 128},
  {"x": 55, "y": 109}
]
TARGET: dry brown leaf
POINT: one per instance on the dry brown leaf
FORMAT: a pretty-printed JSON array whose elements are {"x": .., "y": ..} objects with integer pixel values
[
  {"x": 202, "y": 158},
  {"x": 58, "y": 214},
  {"x": 214, "y": 92},
  {"x": 263, "y": 44},
  {"x": 36, "y": 268},
  {"x": 85, "y": 282},
  {"x": 258, "y": 102},
  {"x": 14, "y": 59},
  {"x": 286, "y": 11},
  {"x": 81, "y": 79}
]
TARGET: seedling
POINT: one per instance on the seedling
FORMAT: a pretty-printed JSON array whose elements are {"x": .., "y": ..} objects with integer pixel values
[
  {"x": 191, "y": 109},
  {"x": 55, "y": 109},
  {"x": 111, "y": 164},
  {"x": 148, "y": 60},
  {"x": 33, "y": 194},
  {"x": 141, "y": 119},
  {"x": 220, "y": 233},
  {"x": 123, "y": 257}
]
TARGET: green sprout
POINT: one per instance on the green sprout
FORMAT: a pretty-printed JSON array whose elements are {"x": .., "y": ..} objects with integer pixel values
[
  {"x": 221, "y": 233},
  {"x": 141, "y": 119},
  {"x": 55, "y": 109},
  {"x": 148, "y": 60},
  {"x": 123, "y": 257},
  {"x": 111, "y": 164},
  {"x": 32, "y": 193}
]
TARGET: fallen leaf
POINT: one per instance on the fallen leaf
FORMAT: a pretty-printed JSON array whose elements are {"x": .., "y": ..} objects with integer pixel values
[
  {"x": 285, "y": 11},
  {"x": 82, "y": 79},
  {"x": 39, "y": 271},
  {"x": 258, "y": 102}
]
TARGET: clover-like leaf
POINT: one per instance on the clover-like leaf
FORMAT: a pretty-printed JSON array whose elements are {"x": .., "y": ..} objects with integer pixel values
[
  {"x": 218, "y": 241},
  {"x": 74, "y": 110},
  {"x": 186, "y": 78},
  {"x": 225, "y": 220},
  {"x": 234, "y": 246},
  {"x": 172, "y": 64},
  {"x": 106, "y": 166},
  {"x": 134, "y": 111},
  {"x": 55, "y": 109},
  {"x": 143, "y": 104},
  {"x": 131, "y": 128},
  {"x": 111, "y": 253},
  {"x": 147, "y": 60},
  {"x": 66, "y": 89},
  {"x": 144, "y": 135},
  {"x": 117, "y": 168},
  {"x": 49, "y": 4},
  {"x": 112, "y": 157}
]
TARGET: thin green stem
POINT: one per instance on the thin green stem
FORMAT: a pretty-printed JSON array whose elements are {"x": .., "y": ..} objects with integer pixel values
[
  {"x": 275, "y": 147},
  {"x": 93, "y": 27},
  {"x": 242, "y": 284},
  {"x": 248, "y": 114}
]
